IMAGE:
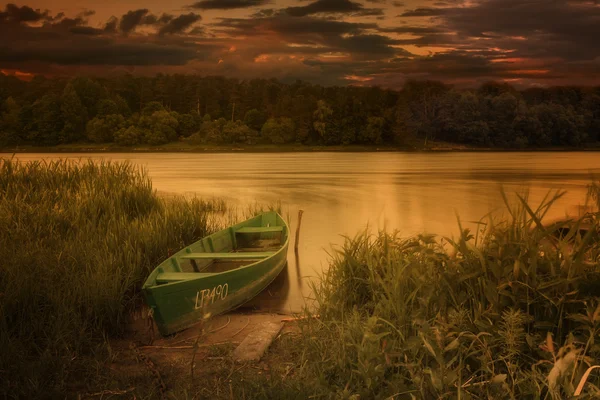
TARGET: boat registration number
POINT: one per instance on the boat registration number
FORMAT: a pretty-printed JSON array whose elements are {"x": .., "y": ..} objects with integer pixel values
[{"x": 205, "y": 297}]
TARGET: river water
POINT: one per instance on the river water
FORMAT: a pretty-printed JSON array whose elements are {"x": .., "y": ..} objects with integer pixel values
[{"x": 343, "y": 193}]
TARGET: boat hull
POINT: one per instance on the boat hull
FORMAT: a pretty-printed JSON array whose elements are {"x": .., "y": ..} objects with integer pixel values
[{"x": 176, "y": 306}]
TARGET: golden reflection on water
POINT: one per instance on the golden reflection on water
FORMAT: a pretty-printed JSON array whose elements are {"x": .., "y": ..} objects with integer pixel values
[{"x": 342, "y": 193}]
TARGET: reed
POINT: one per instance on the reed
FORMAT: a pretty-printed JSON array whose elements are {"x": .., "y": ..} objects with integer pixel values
[
  {"x": 508, "y": 311},
  {"x": 77, "y": 241}
]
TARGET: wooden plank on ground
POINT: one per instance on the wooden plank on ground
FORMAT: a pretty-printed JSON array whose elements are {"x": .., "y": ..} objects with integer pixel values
[{"x": 257, "y": 342}]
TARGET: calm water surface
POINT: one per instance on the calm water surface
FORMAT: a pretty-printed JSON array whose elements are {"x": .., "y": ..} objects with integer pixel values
[{"x": 342, "y": 193}]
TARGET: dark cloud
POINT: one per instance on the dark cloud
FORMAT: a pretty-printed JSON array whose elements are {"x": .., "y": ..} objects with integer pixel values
[
  {"x": 437, "y": 36},
  {"x": 165, "y": 18},
  {"x": 423, "y": 12},
  {"x": 265, "y": 12},
  {"x": 166, "y": 23},
  {"x": 594, "y": 2},
  {"x": 293, "y": 28},
  {"x": 365, "y": 44},
  {"x": 518, "y": 40},
  {"x": 68, "y": 23},
  {"x": 111, "y": 25},
  {"x": 414, "y": 30},
  {"x": 398, "y": 3},
  {"x": 179, "y": 24},
  {"x": 523, "y": 41},
  {"x": 100, "y": 53},
  {"x": 535, "y": 28},
  {"x": 149, "y": 19},
  {"x": 86, "y": 13},
  {"x": 332, "y": 6},
  {"x": 433, "y": 40},
  {"x": 198, "y": 31},
  {"x": 86, "y": 30},
  {"x": 132, "y": 19},
  {"x": 227, "y": 4},
  {"x": 449, "y": 3},
  {"x": 453, "y": 64},
  {"x": 63, "y": 41},
  {"x": 13, "y": 13},
  {"x": 316, "y": 35},
  {"x": 78, "y": 25}
]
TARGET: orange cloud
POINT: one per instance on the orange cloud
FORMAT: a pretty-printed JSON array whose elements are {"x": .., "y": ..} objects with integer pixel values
[
  {"x": 262, "y": 58},
  {"x": 528, "y": 71},
  {"x": 357, "y": 78},
  {"x": 24, "y": 76}
]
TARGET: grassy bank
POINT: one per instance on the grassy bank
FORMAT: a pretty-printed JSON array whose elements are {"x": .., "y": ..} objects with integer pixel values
[
  {"x": 509, "y": 312},
  {"x": 77, "y": 241}
]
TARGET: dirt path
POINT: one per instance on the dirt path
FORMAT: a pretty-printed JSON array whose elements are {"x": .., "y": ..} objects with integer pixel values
[{"x": 195, "y": 363}]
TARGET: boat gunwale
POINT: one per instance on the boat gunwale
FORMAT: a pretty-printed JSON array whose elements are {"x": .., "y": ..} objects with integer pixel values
[{"x": 154, "y": 285}]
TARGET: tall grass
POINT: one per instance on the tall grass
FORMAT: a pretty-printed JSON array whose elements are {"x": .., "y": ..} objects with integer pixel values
[
  {"x": 77, "y": 240},
  {"x": 509, "y": 311}
]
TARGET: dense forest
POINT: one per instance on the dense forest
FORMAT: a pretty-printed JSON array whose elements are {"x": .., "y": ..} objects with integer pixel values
[{"x": 131, "y": 110}]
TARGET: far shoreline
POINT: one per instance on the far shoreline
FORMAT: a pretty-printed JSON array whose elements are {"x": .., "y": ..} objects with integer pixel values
[{"x": 178, "y": 147}]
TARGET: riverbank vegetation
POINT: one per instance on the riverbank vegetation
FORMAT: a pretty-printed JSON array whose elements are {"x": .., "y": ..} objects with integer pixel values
[
  {"x": 133, "y": 111},
  {"x": 511, "y": 312},
  {"x": 78, "y": 239}
]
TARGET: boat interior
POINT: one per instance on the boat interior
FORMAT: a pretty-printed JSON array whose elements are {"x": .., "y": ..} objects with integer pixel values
[{"x": 226, "y": 250}]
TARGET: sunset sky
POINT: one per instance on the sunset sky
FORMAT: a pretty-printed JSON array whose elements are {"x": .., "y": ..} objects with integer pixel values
[{"x": 331, "y": 42}]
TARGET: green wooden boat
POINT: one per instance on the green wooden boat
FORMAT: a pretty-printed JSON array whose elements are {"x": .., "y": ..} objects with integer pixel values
[{"x": 217, "y": 273}]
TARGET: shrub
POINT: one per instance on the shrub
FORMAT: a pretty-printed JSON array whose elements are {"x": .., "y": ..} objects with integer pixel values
[
  {"x": 78, "y": 239},
  {"x": 511, "y": 311}
]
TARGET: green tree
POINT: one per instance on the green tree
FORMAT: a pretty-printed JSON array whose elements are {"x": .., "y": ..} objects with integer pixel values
[
  {"x": 187, "y": 124},
  {"x": 122, "y": 106},
  {"x": 152, "y": 107},
  {"x": 254, "y": 119},
  {"x": 128, "y": 136},
  {"x": 419, "y": 109},
  {"x": 373, "y": 131},
  {"x": 323, "y": 122},
  {"x": 90, "y": 92},
  {"x": 10, "y": 126},
  {"x": 159, "y": 128},
  {"x": 44, "y": 120},
  {"x": 561, "y": 124},
  {"x": 462, "y": 119},
  {"x": 102, "y": 130},
  {"x": 494, "y": 89},
  {"x": 502, "y": 113},
  {"x": 107, "y": 107},
  {"x": 527, "y": 129},
  {"x": 210, "y": 131},
  {"x": 278, "y": 131},
  {"x": 74, "y": 115},
  {"x": 591, "y": 109},
  {"x": 237, "y": 132}
]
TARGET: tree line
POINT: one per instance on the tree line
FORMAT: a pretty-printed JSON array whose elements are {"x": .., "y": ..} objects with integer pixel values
[{"x": 133, "y": 110}]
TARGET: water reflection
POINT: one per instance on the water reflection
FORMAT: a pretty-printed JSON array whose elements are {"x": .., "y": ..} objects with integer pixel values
[{"x": 343, "y": 192}]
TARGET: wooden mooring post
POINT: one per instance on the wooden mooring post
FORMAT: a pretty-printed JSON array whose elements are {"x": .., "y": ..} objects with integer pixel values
[{"x": 300, "y": 212}]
